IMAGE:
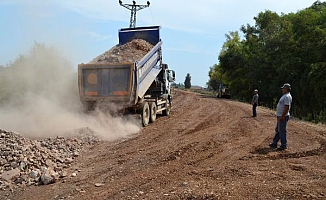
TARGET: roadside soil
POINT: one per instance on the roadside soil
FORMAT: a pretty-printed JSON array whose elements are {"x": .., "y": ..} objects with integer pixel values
[{"x": 207, "y": 148}]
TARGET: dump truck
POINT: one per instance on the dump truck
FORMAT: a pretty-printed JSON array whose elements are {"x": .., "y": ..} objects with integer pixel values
[
  {"x": 223, "y": 91},
  {"x": 138, "y": 83}
]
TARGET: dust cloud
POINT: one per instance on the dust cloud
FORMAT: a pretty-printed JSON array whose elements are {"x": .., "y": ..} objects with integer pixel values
[{"x": 39, "y": 98}]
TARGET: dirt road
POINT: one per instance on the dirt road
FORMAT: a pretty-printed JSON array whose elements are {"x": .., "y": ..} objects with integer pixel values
[{"x": 208, "y": 148}]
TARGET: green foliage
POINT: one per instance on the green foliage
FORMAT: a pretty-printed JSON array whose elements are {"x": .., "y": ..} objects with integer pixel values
[
  {"x": 187, "y": 82},
  {"x": 178, "y": 85},
  {"x": 278, "y": 49},
  {"x": 215, "y": 77}
]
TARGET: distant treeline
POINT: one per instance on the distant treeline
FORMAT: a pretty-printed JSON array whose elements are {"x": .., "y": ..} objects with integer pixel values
[{"x": 278, "y": 49}]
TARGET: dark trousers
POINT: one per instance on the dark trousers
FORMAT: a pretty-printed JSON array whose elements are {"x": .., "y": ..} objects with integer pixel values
[
  {"x": 254, "y": 110},
  {"x": 280, "y": 131}
]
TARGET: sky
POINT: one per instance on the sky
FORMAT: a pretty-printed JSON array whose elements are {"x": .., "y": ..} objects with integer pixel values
[{"x": 192, "y": 32}]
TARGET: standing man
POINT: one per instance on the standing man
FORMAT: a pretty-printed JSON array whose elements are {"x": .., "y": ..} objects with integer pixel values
[
  {"x": 283, "y": 115},
  {"x": 254, "y": 103}
]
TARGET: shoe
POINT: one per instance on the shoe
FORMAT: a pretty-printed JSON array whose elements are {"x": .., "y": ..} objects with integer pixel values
[
  {"x": 281, "y": 148},
  {"x": 273, "y": 145}
]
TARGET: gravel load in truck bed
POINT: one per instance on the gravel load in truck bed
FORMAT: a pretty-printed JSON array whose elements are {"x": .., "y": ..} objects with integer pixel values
[{"x": 129, "y": 52}]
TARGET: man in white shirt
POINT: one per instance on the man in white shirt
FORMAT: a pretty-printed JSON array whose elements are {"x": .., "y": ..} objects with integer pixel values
[{"x": 283, "y": 116}]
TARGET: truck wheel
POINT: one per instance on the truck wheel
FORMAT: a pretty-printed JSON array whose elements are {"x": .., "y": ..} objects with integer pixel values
[
  {"x": 88, "y": 106},
  {"x": 166, "y": 112},
  {"x": 145, "y": 113},
  {"x": 153, "y": 110}
]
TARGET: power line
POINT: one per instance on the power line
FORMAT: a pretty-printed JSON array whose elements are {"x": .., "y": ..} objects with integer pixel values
[{"x": 152, "y": 15}]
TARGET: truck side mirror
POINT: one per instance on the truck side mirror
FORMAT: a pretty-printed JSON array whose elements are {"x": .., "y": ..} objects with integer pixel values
[{"x": 171, "y": 75}]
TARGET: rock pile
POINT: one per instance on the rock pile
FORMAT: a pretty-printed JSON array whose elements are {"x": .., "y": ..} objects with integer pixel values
[
  {"x": 25, "y": 162},
  {"x": 129, "y": 52}
]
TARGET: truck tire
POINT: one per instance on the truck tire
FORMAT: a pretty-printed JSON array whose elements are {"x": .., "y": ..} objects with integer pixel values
[
  {"x": 153, "y": 111},
  {"x": 88, "y": 106},
  {"x": 166, "y": 112},
  {"x": 145, "y": 113}
]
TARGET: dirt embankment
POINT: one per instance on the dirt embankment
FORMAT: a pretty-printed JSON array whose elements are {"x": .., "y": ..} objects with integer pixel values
[{"x": 208, "y": 148}]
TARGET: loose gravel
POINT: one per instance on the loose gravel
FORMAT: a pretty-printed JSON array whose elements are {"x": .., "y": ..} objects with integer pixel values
[
  {"x": 26, "y": 162},
  {"x": 130, "y": 52}
]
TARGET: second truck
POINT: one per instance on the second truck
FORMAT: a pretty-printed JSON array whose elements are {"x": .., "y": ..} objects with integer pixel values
[
  {"x": 223, "y": 91},
  {"x": 131, "y": 75}
]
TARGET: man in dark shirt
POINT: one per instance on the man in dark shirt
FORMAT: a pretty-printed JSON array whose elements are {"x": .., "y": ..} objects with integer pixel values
[{"x": 254, "y": 103}]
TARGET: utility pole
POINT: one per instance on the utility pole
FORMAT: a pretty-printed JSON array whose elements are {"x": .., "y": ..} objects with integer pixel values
[{"x": 133, "y": 8}]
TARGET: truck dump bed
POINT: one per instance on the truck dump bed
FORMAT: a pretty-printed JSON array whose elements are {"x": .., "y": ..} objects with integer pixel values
[
  {"x": 125, "y": 72},
  {"x": 99, "y": 81}
]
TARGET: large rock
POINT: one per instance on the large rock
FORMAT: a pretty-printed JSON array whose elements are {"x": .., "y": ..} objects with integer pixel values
[
  {"x": 34, "y": 174},
  {"x": 11, "y": 174},
  {"x": 49, "y": 176}
]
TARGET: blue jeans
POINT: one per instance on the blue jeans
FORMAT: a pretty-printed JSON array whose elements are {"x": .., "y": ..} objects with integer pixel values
[
  {"x": 254, "y": 111},
  {"x": 280, "y": 131}
]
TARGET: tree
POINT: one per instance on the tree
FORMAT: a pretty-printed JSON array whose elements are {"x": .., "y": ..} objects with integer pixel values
[
  {"x": 188, "y": 81},
  {"x": 215, "y": 77},
  {"x": 233, "y": 65},
  {"x": 275, "y": 50}
]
